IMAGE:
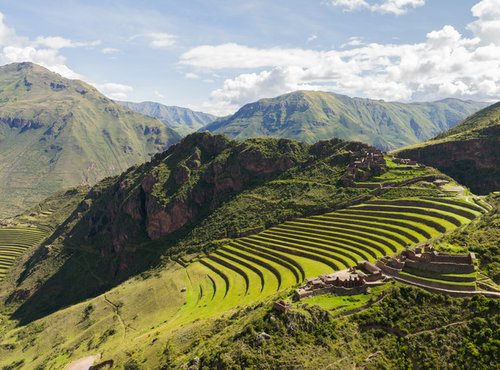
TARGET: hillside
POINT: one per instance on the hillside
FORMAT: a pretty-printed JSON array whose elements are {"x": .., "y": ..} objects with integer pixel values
[
  {"x": 56, "y": 133},
  {"x": 182, "y": 120},
  {"x": 310, "y": 116},
  {"x": 469, "y": 152},
  {"x": 181, "y": 258}
]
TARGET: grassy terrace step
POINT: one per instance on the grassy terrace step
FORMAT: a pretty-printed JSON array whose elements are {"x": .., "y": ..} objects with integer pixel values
[
  {"x": 247, "y": 269},
  {"x": 471, "y": 277},
  {"x": 454, "y": 221},
  {"x": 346, "y": 255},
  {"x": 249, "y": 266},
  {"x": 266, "y": 266},
  {"x": 332, "y": 235},
  {"x": 278, "y": 258},
  {"x": 353, "y": 230},
  {"x": 466, "y": 283},
  {"x": 14, "y": 241},
  {"x": 418, "y": 219},
  {"x": 338, "y": 261},
  {"x": 428, "y": 205},
  {"x": 369, "y": 225},
  {"x": 463, "y": 204},
  {"x": 310, "y": 261}
]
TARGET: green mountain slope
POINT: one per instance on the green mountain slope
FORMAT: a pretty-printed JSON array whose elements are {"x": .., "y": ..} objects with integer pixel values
[
  {"x": 56, "y": 133},
  {"x": 182, "y": 120},
  {"x": 469, "y": 152},
  {"x": 310, "y": 116},
  {"x": 211, "y": 232}
]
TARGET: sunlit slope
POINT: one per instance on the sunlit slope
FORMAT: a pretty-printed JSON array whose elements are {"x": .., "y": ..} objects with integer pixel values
[
  {"x": 310, "y": 116},
  {"x": 56, "y": 133},
  {"x": 193, "y": 291}
]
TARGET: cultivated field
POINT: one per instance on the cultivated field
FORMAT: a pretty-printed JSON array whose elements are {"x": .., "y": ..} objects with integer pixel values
[
  {"x": 283, "y": 256},
  {"x": 14, "y": 241}
]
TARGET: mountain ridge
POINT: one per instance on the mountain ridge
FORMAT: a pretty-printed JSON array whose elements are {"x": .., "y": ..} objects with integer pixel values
[
  {"x": 469, "y": 152},
  {"x": 310, "y": 116},
  {"x": 183, "y": 120},
  {"x": 56, "y": 133}
]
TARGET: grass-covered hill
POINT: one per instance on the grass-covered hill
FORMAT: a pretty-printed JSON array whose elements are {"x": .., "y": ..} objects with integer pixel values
[
  {"x": 310, "y": 116},
  {"x": 207, "y": 251},
  {"x": 56, "y": 133},
  {"x": 182, "y": 120},
  {"x": 205, "y": 188},
  {"x": 469, "y": 152}
]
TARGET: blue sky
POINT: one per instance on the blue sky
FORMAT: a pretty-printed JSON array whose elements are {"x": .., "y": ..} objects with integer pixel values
[{"x": 218, "y": 55}]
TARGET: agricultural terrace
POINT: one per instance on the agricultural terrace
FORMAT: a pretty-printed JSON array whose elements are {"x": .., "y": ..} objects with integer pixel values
[
  {"x": 14, "y": 241},
  {"x": 278, "y": 258}
]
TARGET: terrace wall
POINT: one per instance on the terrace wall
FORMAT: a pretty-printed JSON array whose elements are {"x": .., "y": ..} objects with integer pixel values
[{"x": 441, "y": 267}]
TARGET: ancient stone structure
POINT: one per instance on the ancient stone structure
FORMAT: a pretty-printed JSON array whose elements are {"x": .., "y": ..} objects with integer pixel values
[
  {"x": 406, "y": 161},
  {"x": 282, "y": 306},
  {"x": 340, "y": 283},
  {"x": 429, "y": 261},
  {"x": 361, "y": 168}
]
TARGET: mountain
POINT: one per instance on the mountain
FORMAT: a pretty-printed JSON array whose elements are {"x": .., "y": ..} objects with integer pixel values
[
  {"x": 56, "y": 133},
  {"x": 180, "y": 261},
  {"x": 310, "y": 116},
  {"x": 182, "y": 120},
  {"x": 469, "y": 152}
]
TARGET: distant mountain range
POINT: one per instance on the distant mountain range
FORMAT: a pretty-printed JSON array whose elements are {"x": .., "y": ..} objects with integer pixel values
[
  {"x": 182, "y": 120},
  {"x": 56, "y": 133},
  {"x": 310, "y": 116},
  {"x": 469, "y": 152}
]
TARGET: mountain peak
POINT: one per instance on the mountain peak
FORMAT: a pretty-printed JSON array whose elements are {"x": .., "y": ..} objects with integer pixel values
[{"x": 310, "y": 116}]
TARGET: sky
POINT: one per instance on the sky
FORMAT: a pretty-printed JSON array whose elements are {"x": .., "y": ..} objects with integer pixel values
[{"x": 217, "y": 55}]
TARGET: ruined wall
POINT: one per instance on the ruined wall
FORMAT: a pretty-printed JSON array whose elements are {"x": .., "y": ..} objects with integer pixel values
[{"x": 441, "y": 267}]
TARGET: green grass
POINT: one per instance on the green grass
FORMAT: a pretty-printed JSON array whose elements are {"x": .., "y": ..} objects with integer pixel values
[
  {"x": 14, "y": 241},
  {"x": 180, "y": 301}
]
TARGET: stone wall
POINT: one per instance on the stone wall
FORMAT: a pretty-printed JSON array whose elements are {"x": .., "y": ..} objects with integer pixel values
[
  {"x": 441, "y": 267},
  {"x": 435, "y": 284}
]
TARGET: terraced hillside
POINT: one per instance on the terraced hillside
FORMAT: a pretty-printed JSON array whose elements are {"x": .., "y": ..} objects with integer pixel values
[
  {"x": 280, "y": 257},
  {"x": 14, "y": 241}
]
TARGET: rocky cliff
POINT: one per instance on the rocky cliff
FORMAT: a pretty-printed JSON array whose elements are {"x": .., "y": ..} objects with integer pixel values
[{"x": 470, "y": 152}]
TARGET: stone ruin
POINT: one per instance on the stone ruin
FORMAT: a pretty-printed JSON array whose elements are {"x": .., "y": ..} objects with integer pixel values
[
  {"x": 361, "y": 168},
  {"x": 344, "y": 282},
  {"x": 282, "y": 306},
  {"x": 406, "y": 161},
  {"x": 427, "y": 259}
]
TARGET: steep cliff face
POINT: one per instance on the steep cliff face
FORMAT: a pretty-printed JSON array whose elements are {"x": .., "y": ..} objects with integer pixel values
[
  {"x": 471, "y": 162},
  {"x": 181, "y": 186},
  {"x": 470, "y": 152}
]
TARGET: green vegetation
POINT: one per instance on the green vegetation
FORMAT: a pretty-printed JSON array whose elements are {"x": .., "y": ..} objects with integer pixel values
[
  {"x": 468, "y": 152},
  {"x": 480, "y": 237},
  {"x": 182, "y": 120},
  {"x": 408, "y": 328},
  {"x": 14, "y": 241},
  {"x": 310, "y": 116},
  {"x": 56, "y": 133}
]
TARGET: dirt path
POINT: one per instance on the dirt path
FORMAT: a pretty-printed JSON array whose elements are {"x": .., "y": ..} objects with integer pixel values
[{"x": 83, "y": 363}]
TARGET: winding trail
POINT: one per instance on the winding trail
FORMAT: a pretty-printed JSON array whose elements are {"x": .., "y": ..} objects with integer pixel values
[{"x": 83, "y": 363}]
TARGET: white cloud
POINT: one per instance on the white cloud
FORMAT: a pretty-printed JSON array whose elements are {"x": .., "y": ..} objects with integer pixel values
[
  {"x": 46, "y": 51},
  {"x": 353, "y": 41},
  {"x": 114, "y": 90},
  {"x": 396, "y": 7},
  {"x": 312, "y": 38},
  {"x": 57, "y": 42},
  {"x": 192, "y": 76},
  {"x": 157, "y": 40},
  {"x": 444, "y": 64},
  {"x": 109, "y": 51},
  {"x": 487, "y": 27},
  {"x": 159, "y": 95}
]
